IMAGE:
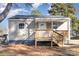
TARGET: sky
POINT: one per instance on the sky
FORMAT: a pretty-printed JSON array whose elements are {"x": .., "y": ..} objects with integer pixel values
[
  {"x": 21, "y": 9},
  {"x": 76, "y": 5}
]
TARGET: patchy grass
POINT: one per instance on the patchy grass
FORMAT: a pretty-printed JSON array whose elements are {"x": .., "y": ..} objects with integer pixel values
[{"x": 7, "y": 54}]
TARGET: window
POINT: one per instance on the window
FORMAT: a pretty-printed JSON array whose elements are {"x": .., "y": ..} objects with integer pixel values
[
  {"x": 42, "y": 24},
  {"x": 21, "y": 26},
  {"x": 56, "y": 24},
  {"x": 48, "y": 25}
]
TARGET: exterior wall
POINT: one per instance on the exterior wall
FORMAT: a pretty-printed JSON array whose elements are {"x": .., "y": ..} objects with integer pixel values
[
  {"x": 63, "y": 26},
  {"x": 18, "y": 34},
  {"x": 31, "y": 27},
  {"x": 12, "y": 30}
]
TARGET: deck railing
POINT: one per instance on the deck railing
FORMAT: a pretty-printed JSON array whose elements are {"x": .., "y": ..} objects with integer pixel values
[
  {"x": 58, "y": 38},
  {"x": 53, "y": 36}
]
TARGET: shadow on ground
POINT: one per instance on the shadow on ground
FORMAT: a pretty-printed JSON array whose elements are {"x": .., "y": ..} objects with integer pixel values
[{"x": 26, "y": 48}]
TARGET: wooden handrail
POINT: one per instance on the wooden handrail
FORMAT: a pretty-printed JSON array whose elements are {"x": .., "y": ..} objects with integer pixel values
[
  {"x": 57, "y": 39},
  {"x": 53, "y": 31},
  {"x": 58, "y": 33}
]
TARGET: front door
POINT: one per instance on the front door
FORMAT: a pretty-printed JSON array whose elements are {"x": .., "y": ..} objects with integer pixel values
[{"x": 42, "y": 25}]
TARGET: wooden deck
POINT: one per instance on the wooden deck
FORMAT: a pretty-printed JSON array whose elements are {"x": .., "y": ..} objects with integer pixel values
[{"x": 53, "y": 36}]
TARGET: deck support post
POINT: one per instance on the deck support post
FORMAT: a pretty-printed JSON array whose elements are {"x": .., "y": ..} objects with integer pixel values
[
  {"x": 51, "y": 36},
  {"x": 63, "y": 42},
  {"x": 35, "y": 43},
  {"x": 51, "y": 44}
]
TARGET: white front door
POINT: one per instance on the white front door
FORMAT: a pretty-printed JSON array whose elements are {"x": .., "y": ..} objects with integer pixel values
[{"x": 42, "y": 25}]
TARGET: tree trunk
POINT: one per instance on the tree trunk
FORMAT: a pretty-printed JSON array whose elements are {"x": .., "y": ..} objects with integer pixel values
[{"x": 5, "y": 12}]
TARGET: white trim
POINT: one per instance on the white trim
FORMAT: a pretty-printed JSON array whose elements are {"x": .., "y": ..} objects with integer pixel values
[
  {"x": 69, "y": 30},
  {"x": 8, "y": 31},
  {"x": 19, "y": 25}
]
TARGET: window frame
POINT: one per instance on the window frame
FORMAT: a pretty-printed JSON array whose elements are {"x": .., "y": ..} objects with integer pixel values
[{"x": 21, "y": 25}]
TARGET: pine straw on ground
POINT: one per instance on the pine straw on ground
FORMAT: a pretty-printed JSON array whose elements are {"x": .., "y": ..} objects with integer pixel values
[
  {"x": 74, "y": 49},
  {"x": 25, "y": 50}
]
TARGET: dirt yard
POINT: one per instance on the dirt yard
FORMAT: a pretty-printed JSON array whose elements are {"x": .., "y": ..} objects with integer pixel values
[{"x": 25, "y": 50}]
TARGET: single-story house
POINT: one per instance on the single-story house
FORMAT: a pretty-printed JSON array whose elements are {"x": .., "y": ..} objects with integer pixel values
[{"x": 40, "y": 28}]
